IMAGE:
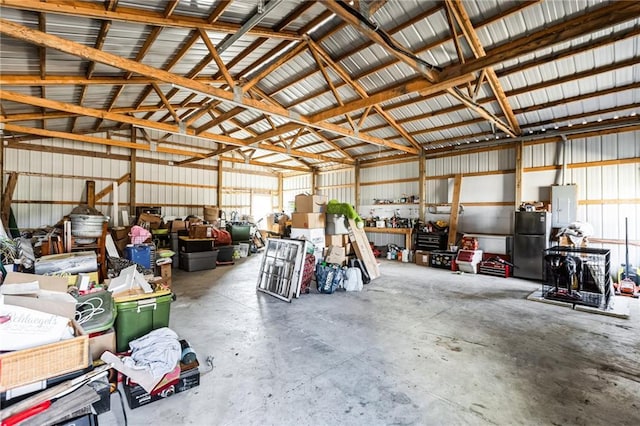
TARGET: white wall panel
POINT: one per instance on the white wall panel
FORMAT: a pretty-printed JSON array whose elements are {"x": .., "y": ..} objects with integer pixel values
[
  {"x": 489, "y": 188},
  {"x": 389, "y": 172},
  {"x": 603, "y": 189}
]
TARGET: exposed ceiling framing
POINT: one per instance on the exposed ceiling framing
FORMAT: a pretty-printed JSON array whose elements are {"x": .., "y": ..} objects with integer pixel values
[{"x": 303, "y": 86}]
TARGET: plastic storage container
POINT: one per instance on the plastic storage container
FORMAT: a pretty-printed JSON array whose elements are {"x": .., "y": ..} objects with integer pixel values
[
  {"x": 140, "y": 254},
  {"x": 137, "y": 317},
  {"x": 198, "y": 261},
  {"x": 195, "y": 245},
  {"x": 95, "y": 312},
  {"x": 243, "y": 248},
  {"x": 225, "y": 254}
]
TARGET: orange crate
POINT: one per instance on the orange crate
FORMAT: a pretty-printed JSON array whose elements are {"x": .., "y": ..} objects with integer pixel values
[{"x": 26, "y": 366}]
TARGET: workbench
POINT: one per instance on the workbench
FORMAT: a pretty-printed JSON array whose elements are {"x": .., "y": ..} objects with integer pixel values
[{"x": 407, "y": 232}]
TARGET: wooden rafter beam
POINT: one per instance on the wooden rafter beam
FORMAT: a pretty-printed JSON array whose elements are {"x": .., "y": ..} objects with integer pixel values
[
  {"x": 15, "y": 97},
  {"x": 109, "y": 188},
  {"x": 193, "y": 37},
  {"x": 273, "y": 66},
  {"x": 202, "y": 110},
  {"x": 269, "y": 165},
  {"x": 138, "y": 16},
  {"x": 413, "y": 21},
  {"x": 329, "y": 142},
  {"x": 456, "y": 39},
  {"x": 362, "y": 46},
  {"x": 42, "y": 56},
  {"x": 107, "y": 115},
  {"x": 219, "y": 119},
  {"x": 344, "y": 75},
  {"x": 417, "y": 85},
  {"x": 342, "y": 9},
  {"x": 461, "y": 16},
  {"x": 222, "y": 68},
  {"x": 165, "y": 101},
  {"x": 42, "y": 39},
  {"x": 314, "y": 51},
  {"x": 95, "y": 140},
  {"x": 577, "y": 26},
  {"x": 42, "y": 51}
]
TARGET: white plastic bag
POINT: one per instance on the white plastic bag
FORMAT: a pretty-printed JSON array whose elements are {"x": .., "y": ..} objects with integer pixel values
[{"x": 353, "y": 280}]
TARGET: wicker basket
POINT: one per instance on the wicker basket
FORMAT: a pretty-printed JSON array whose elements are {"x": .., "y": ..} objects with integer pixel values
[{"x": 26, "y": 366}]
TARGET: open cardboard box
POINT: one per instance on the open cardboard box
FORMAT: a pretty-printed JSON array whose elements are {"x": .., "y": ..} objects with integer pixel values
[{"x": 51, "y": 298}]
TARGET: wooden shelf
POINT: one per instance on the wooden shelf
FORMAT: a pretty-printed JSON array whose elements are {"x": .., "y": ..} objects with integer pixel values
[
  {"x": 393, "y": 204},
  {"x": 407, "y": 232}
]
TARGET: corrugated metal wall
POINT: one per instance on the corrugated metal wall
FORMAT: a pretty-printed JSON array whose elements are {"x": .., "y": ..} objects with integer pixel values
[
  {"x": 391, "y": 183},
  {"x": 293, "y": 186},
  {"x": 338, "y": 185},
  {"x": 606, "y": 170},
  {"x": 52, "y": 181}
]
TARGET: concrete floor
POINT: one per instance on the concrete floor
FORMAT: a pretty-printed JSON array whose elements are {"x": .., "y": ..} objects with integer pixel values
[{"x": 417, "y": 346}]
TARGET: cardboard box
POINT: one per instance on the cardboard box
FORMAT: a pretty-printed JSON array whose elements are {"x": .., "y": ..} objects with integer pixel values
[
  {"x": 44, "y": 281},
  {"x": 314, "y": 235},
  {"x": 311, "y": 203},
  {"x": 308, "y": 220},
  {"x": 348, "y": 248},
  {"x": 121, "y": 232},
  {"x": 573, "y": 241},
  {"x": 335, "y": 254},
  {"x": 422, "y": 258},
  {"x": 179, "y": 225},
  {"x": 153, "y": 220},
  {"x": 336, "y": 240},
  {"x": 211, "y": 213},
  {"x": 94, "y": 278},
  {"x": 165, "y": 271},
  {"x": 200, "y": 231},
  {"x": 101, "y": 342}
]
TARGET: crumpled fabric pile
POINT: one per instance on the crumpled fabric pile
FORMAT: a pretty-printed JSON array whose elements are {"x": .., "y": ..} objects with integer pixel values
[{"x": 158, "y": 352}]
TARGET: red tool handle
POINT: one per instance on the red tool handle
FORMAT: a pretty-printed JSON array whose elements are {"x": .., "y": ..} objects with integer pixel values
[{"x": 17, "y": 418}]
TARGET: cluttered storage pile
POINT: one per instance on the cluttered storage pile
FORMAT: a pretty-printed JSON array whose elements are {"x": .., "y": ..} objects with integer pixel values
[
  {"x": 335, "y": 246},
  {"x": 71, "y": 334}
]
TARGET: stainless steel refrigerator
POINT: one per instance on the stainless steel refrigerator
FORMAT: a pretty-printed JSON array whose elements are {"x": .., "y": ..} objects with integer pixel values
[{"x": 531, "y": 237}]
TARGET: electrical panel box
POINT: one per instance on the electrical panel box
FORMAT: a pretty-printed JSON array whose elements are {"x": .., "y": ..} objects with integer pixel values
[{"x": 564, "y": 205}]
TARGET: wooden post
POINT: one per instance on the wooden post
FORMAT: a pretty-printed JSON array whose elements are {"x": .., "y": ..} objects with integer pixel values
[
  {"x": 518, "y": 174},
  {"x": 7, "y": 197},
  {"x": 422, "y": 192},
  {"x": 314, "y": 180},
  {"x": 356, "y": 171},
  {"x": 455, "y": 209},
  {"x": 280, "y": 191},
  {"x": 133, "y": 165},
  {"x": 90, "y": 187},
  {"x": 219, "y": 193},
  {"x": 1, "y": 162}
]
